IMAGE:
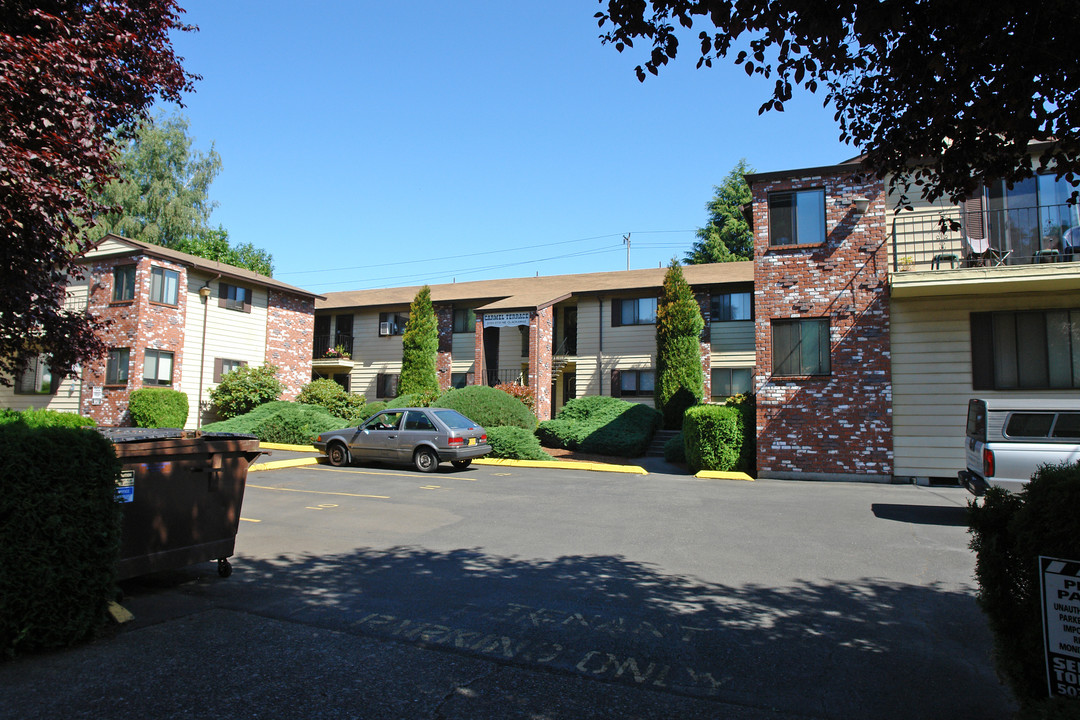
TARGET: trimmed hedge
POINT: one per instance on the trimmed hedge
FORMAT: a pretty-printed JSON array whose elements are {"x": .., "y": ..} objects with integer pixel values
[
  {"x": 489, "y": 407},
  {"x": 327, "y": 394},
  {"x": 713, "y": 437},
  {"x": 601, "y": 425},
  {"x": 158, "y": 408},
  {"x": 281, "y": 421},
  {"x": 1009, "y": 533},
  {"x": 245, "y": 389},
  {"x": 675, "y": 449},
  {"x": 515, "y": 443},
  {"x": 59, "y": 535},
  {"x": 39, "y": 418}
]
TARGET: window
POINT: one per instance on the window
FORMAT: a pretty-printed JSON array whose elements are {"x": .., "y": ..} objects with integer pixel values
[
  {"x": 123, "y": 283},
  {"x": 731, "y": 381},
  {"x": 732, "y": 306},
  {"x": 116, "y": 366},
  {"x": 797, "y": 217},
  {"x": 801, "y": 347},
  {"x": 632, "y": 383},
  {"x": 164, "y": 285},
  {"x": 393, "y": 323},
  {"x": 418, "y": 420},
  {"x": 464, "y": 320},
  {"x": 223, "y": 366},
  {"x": 36, "y": 379},
  {"x": 157, "y": 367},
  {"x": 1025, "y": 350},
  {"x": 386, "y": 385},
  {"x": 633, "y": 311},
  {"x": 234, "y": 297},
  {"x": 524, "y": 330},
  {"x": 1065, "y": 425},
  {"x": 459, "y": 379}
]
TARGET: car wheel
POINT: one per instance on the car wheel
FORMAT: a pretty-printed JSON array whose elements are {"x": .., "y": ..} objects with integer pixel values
[
  {"x": 460, "y": 464},
  {"x": 425, "y": 459},
  {"x": 337, "y": 454}
]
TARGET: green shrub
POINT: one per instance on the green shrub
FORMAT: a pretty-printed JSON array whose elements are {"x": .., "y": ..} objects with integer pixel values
[
  {"x": 39, "y": 418},
  {"x": 420, "y": 347},
  {"x": 374, "y": 408},
  {"x": 601, "y": 425},
  {"x": 158, "y": 408},
  {"x": 713, "y": 437},
  {"x": 281, "y": 422},
  {"x": 488, "y": 406},
  {"x": 515, "y": 443},
  {"x": 675, "y": 449},
  {"x": 327, "y": 394},
  {"x": 523, "y": 393},
  {"x": 59, "y": 535},
  {"x": 427, "y": 398},
  {"x": 679, "y": 377},
  {"x": 244, "y": 389},
  {"x": 1009, "y": 532}
]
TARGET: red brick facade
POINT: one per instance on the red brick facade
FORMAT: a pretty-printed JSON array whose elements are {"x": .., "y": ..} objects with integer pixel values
[
  {"x": 837, "y": 425},
  {"x": 541, "y": 336},
  {"x": 444, "y": 361},
  {"x": 290, "y": 337}
]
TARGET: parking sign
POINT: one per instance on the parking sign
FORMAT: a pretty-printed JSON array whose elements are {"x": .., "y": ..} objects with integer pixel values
[{"x": 1060, "y": 590}]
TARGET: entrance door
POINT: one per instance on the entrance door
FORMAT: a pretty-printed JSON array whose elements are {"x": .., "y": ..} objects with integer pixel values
[{"x": 491, "y": 355}]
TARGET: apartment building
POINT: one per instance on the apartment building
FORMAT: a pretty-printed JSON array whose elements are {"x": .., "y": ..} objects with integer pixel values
[{"x": 563, "y": 336}]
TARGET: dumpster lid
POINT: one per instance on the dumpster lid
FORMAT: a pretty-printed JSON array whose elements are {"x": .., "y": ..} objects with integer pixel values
[{"x": 131, "y": 434}]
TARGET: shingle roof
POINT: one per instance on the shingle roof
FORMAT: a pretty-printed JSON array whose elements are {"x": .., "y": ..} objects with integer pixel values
[
  {"x": 210, "y": 266},
  {"x": 538, "y": 292}
]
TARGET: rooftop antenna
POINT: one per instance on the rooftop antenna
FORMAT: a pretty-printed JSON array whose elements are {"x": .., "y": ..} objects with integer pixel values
[{"x": 626, "y": 241}]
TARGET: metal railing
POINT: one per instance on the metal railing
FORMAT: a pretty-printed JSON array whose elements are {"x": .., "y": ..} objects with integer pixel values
[
  {"x": 504, "y": 376},
  {"x": 332, "y": 346},
  {"x": 1018, "y": 236}
]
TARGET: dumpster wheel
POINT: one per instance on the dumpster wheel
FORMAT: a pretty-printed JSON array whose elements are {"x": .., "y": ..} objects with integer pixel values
[{"x": 224, "y": 567}]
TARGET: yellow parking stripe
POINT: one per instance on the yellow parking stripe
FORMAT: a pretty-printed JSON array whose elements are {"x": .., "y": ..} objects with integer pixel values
[
  {"x": 320, "y": 492},
  {"x": 366, "y": 472}
]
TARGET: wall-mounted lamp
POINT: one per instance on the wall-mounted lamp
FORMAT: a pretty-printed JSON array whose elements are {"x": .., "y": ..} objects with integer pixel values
[
  {"x": 860, "y": 204},
  {"x": 204, "y": 292}
]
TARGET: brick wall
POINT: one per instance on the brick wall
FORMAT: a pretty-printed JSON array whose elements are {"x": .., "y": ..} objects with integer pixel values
[
  {"x": 290, "y": 336},
  {"x": 839, "y": 425},
  {"x": 541, "y": 335},
  {"x": 444, "y": 360}
]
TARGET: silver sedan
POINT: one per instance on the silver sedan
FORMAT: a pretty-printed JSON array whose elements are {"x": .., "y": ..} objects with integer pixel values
[{"x": 423, "y": 437}]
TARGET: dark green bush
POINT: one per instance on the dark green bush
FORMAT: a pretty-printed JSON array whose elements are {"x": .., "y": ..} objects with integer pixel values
[
  {"x": 39, "y": 418},
  {"x": 59, "y": 535},
  {"x": 679, "y": 376},
  {"x": 426, "y": 398},
  {"x": 601, "y": 425},
  {"x": 515, "y": 443},
  {"x": 1009, "y": 532},
  {"x": 488, "y": 406},
  {"x": 374, "y": 408},
  {"x": 158, "y": 408},
  {"x": 244, "y": 389},
  {"x": 327, "y": 394},
  {"x": 675, "y": 449},
  {"x": 281, "y": 422},
  {"x": 713, "y": 437}
]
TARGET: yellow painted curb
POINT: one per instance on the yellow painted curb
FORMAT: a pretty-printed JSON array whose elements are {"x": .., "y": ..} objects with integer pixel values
[
  {"x": 279, "y": 464},
  {"x": 565, "y": 465},
  {"x": 282, "y": 446},
  {"x": 119, "y": 613},
  {"x": 722, "y": 475}
]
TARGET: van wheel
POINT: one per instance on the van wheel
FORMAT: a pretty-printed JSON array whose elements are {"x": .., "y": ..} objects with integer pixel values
[
  {"x": 425, "y": 459},
  {"x": 460, "y": 464},
  {"x": 338, "y": 454}
]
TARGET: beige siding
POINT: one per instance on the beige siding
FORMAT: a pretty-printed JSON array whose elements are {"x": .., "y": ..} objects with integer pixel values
[
  {"x": 230, "y": 334},
  {"x": 931, "y": 375},
  {"x": 108, "y": 247},
  {"x": 373, "y": 353},
  {"x": 732, "y": 343}
]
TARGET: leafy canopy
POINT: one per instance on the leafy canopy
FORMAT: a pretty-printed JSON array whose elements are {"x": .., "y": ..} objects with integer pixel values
[
  {"x": 727, "y": 236},
  {"x": 938, "y": 94},
  {"x": 73, "y": 72}
]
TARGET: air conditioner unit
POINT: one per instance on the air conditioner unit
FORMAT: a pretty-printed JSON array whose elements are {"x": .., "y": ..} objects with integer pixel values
[{"x": 384, "y": 328}]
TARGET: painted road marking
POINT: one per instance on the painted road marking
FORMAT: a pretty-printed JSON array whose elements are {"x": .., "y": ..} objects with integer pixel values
[
  {"x": 244, "y": 519},
  {"x": 322, "y": 506},
  {"x": 361, "y": 472},
  {"x": 320, "y": 492},
  {"x": 431, "y": 487}
]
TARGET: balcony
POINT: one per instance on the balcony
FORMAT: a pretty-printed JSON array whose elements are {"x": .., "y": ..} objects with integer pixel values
[{"x": 332, "y": 353}]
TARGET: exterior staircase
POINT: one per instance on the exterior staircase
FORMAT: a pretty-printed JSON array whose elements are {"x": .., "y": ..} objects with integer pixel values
[{"x": 656, "y": 447}]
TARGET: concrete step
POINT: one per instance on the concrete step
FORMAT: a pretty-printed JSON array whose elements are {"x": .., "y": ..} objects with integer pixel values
[{"x": 656, "y": 447}]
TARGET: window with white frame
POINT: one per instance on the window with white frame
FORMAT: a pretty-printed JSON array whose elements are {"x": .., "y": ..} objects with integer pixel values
[
  {"x": 36, "y": 378},
  {"x": 797, "y": 217},
  {"x": 164, "y": 285}
]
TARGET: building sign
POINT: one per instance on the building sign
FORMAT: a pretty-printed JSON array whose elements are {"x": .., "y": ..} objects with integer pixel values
[
  {"x": 505, "y": 319},
  {"x": 125, "y": 486},
  {"x": 1059, "y": 583}
]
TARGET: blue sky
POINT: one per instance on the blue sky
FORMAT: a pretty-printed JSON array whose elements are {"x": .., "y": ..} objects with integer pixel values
[{"x": 381, "y": 144}]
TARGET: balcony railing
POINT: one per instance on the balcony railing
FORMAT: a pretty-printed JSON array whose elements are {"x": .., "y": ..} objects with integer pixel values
[
  {"x": 1019, "y": 236},
  {"x": 332, "y": 346},
  {"x": 507, "y": 376}
]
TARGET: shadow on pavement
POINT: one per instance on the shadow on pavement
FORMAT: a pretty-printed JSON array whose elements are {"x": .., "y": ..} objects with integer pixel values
[{"x": 953, "y": 516}]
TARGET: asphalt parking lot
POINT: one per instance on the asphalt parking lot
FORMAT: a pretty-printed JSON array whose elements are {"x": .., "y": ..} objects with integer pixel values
[{"x": 676, "y": 596}]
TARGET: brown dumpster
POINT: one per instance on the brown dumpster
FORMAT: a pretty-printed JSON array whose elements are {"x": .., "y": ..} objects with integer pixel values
[{"x": 181, "y": 494}]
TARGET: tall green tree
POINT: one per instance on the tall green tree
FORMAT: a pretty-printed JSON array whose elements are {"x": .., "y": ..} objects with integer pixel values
[
  {"x": 727, "y": 236},
  {"x": 419, "y": 347},
  {"x": 680, "y": 381},
  {"x": 162, "y": 196}
]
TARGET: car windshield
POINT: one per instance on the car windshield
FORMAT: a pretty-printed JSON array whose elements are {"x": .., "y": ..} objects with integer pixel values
[
  {"x": 455, "y": 420},
  {"x": 384, "y": 421}
]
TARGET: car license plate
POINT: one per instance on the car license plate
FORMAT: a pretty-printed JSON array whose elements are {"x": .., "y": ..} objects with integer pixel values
[{"x": 472, "y": 441}]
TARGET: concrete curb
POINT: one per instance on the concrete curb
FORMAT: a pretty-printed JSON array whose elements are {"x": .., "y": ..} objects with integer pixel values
[
  {"x": 722, "y": 475},
  {"x": 565, "y": 465},
  {"x": 293, "y": 448},
  {"x": 279, "y": 464}
]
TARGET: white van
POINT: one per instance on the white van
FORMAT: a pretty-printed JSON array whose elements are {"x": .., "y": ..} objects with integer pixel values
[{"x": 1008, "y": 439}]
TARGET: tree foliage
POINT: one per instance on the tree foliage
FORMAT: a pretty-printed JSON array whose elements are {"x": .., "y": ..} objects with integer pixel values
[
  {"x": 727, "y": 236},
  {"x": 162, "y": 196},
  {"x": 680, "y": 381},
  {"x": 938, "y": 94},
  {"x": 419, "y": 347},
  {"x": 71, "y": 73}
]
